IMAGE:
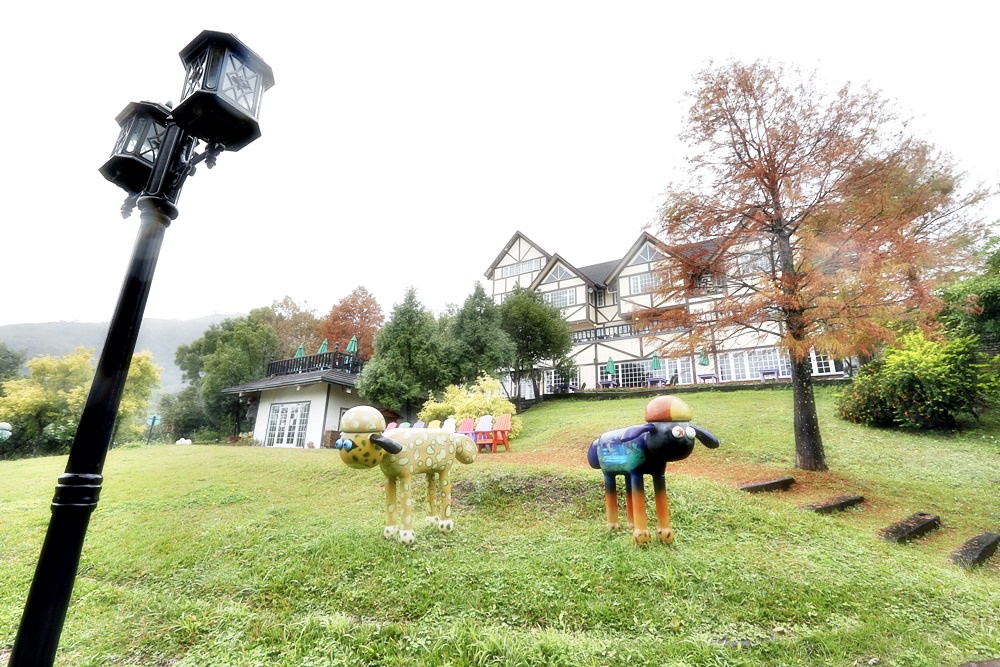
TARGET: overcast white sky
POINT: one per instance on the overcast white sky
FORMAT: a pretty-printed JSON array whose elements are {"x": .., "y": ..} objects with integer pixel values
[{"x": 405, "y": 142}]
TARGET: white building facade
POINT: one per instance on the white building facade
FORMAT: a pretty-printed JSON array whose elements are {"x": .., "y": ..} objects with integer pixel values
[{"x": 599, "y": 303}]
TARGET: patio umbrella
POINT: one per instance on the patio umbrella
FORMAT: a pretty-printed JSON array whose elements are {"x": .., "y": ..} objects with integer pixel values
[
  {"x": 654, "y": 365},
  {"x": 300, "y": 351},
  {"x": 322, "y": 347},
  {"x": 352, "y": 345},
  {"x": 610, "y": 367},
  {"x": 703, "y": 358}
]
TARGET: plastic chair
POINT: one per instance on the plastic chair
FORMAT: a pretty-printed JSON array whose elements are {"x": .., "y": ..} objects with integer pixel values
[
  {"x": 501, "y": 431},
  {"x": 484, "y": 432},
  {"x": 449, "y": 424},
  {"x": 467, "y": 427}
]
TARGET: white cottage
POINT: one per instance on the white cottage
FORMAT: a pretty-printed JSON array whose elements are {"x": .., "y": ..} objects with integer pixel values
[{"x": 301, "y": 401}]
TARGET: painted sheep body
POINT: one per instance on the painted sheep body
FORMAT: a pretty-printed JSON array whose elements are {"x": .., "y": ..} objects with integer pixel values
[
  {"x": 408, "y": 452},
  {"x": 646, "y": 449}
]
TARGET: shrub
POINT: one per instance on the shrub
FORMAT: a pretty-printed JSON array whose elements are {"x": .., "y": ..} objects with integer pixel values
[
  {"x": 919, "y": 384},
  {"x": 483, "y": 398}
]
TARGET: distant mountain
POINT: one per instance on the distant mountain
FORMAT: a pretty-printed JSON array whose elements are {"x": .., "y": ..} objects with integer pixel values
[{"x": 161, "y": 337}]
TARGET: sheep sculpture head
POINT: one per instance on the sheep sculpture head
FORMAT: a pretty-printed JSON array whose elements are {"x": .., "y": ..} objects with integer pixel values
[
  {"x": 646, "y": 449},
  {"x": 409, "y": 452}
]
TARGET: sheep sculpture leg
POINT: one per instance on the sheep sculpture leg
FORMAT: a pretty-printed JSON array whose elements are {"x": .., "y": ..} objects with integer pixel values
[
  {"x": 391, "y": 530},
  {"x": 664, "y": 533},
  {"x": 433, "y": 499},
  {"x": 640, "y": 531}
]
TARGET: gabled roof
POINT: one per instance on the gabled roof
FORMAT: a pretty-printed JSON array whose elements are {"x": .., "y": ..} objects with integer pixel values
[
  {"x": 551, "y": 264},
  {"x": 312, "y": 377},
  {"x": 643, "y": 239},
  {"x": 598, "y": 273},
  {"x": 510, "y": 243}
]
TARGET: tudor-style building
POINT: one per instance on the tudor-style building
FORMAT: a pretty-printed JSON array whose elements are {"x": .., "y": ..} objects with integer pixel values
[{"x": 599, "y": 302}]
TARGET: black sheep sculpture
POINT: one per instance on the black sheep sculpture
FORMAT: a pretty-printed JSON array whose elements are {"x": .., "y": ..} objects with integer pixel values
[{"x": 646, "y": 449}]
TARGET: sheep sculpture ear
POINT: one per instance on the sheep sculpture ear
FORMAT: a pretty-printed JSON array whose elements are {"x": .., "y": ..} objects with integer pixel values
[
  {"x": 388, "y": 444},
  {"x": 705, "y": 437}
]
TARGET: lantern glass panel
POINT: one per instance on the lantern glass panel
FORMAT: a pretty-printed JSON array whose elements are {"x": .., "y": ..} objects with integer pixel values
[
  {"x": 240, "y": 84},
  {"x": 151, "y": 142},
  {"x": 195, "y": 74}
]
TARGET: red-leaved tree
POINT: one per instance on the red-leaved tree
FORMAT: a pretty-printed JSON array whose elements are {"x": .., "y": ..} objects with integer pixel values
[
  {"x": 357, "y": 314},
  {"x": 814, "y": 218}
]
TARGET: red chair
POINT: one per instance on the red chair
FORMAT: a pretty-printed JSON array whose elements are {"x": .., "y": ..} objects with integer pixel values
[
  {"x": 501, "y": 431},
  {"x": 467, "y": 427}
]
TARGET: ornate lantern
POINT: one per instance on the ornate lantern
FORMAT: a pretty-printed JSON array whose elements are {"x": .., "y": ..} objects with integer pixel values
[
  {"x": 225, "y": 80},
  {"x": 143, "y": 126}
]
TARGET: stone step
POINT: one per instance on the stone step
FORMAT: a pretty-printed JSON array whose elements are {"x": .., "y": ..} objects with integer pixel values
[
  {"x": 835, "y": 504},
  {"x": 976, "y": 550},
  {"x": 779, "y": 484},
  {"x": 914, "y": 525}
]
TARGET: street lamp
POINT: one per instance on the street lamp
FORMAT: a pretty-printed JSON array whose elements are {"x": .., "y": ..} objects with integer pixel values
[{"x": 154, "y": 154}]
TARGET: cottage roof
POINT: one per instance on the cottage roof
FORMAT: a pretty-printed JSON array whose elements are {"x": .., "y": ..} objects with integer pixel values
[{"x": 330, "y": 376}]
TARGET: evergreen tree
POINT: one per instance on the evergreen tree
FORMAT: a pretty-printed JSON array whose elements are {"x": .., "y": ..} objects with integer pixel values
[{"x": 406, "y": 365}]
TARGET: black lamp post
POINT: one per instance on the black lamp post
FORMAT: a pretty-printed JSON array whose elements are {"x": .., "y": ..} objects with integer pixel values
[{"x": 154, "y": 154}]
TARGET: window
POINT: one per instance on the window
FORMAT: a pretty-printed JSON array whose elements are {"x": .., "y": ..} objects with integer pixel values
[
  {"x": 823, "y": 364},
  {"x": 708, "y": 283},
  {"x": 753, "y": 262},
  {"x": 643, "y": 282},
  {"x": 600, "y": 298},
  {"x": 560, "y": 298},
  {"x": 748, "y": 365},
  {"x": 527, "y": 266},
  {"x": 560, "y": 383},
  {"x": 558, "y": 273},
  {"x": 648, "y": 254},
  {"x": 286, "y": 426}
]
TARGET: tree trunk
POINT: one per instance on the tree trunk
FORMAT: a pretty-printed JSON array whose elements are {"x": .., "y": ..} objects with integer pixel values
[{"x": 808, "y": 442}]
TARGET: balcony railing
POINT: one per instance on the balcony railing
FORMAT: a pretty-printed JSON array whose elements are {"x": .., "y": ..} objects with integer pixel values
[
  {"x": 600, "y": 333},
  {"x": 347, "y": 363}
]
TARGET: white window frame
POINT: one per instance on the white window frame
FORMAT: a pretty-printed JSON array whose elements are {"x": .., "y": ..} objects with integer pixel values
[
  {"x": 643, "y": 283},
  {"x": 566, "y": 297},
  {"x": 286, "y": 425},
  {"x": 526, "y": 266}
]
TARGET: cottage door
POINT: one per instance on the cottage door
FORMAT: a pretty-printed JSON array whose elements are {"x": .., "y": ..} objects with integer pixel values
[{"x": 289, "y": 428}]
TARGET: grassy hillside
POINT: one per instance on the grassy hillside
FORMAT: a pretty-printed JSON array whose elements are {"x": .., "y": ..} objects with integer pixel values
[{"x": 206, "y": 555}]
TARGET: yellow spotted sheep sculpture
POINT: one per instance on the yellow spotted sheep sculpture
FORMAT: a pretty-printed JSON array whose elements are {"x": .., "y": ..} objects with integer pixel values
[{"x": 409, "y": 452}]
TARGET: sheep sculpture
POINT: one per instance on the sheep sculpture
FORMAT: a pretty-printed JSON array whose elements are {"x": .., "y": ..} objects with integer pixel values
[
  {"x": 641, "y": 450},
  {"x": 408, "y": 452}
]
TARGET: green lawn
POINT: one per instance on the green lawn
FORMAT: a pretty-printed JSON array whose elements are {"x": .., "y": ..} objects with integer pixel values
[{"x": 211, "y": 555}]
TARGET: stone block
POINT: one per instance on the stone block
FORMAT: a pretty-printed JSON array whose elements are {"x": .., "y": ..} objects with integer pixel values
[
  {"x": 779, "y": 484},
  {"x": 976, "y": 550},
  {"x": 912, "y": 526},
  {"x": 835, "y": 504}
]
